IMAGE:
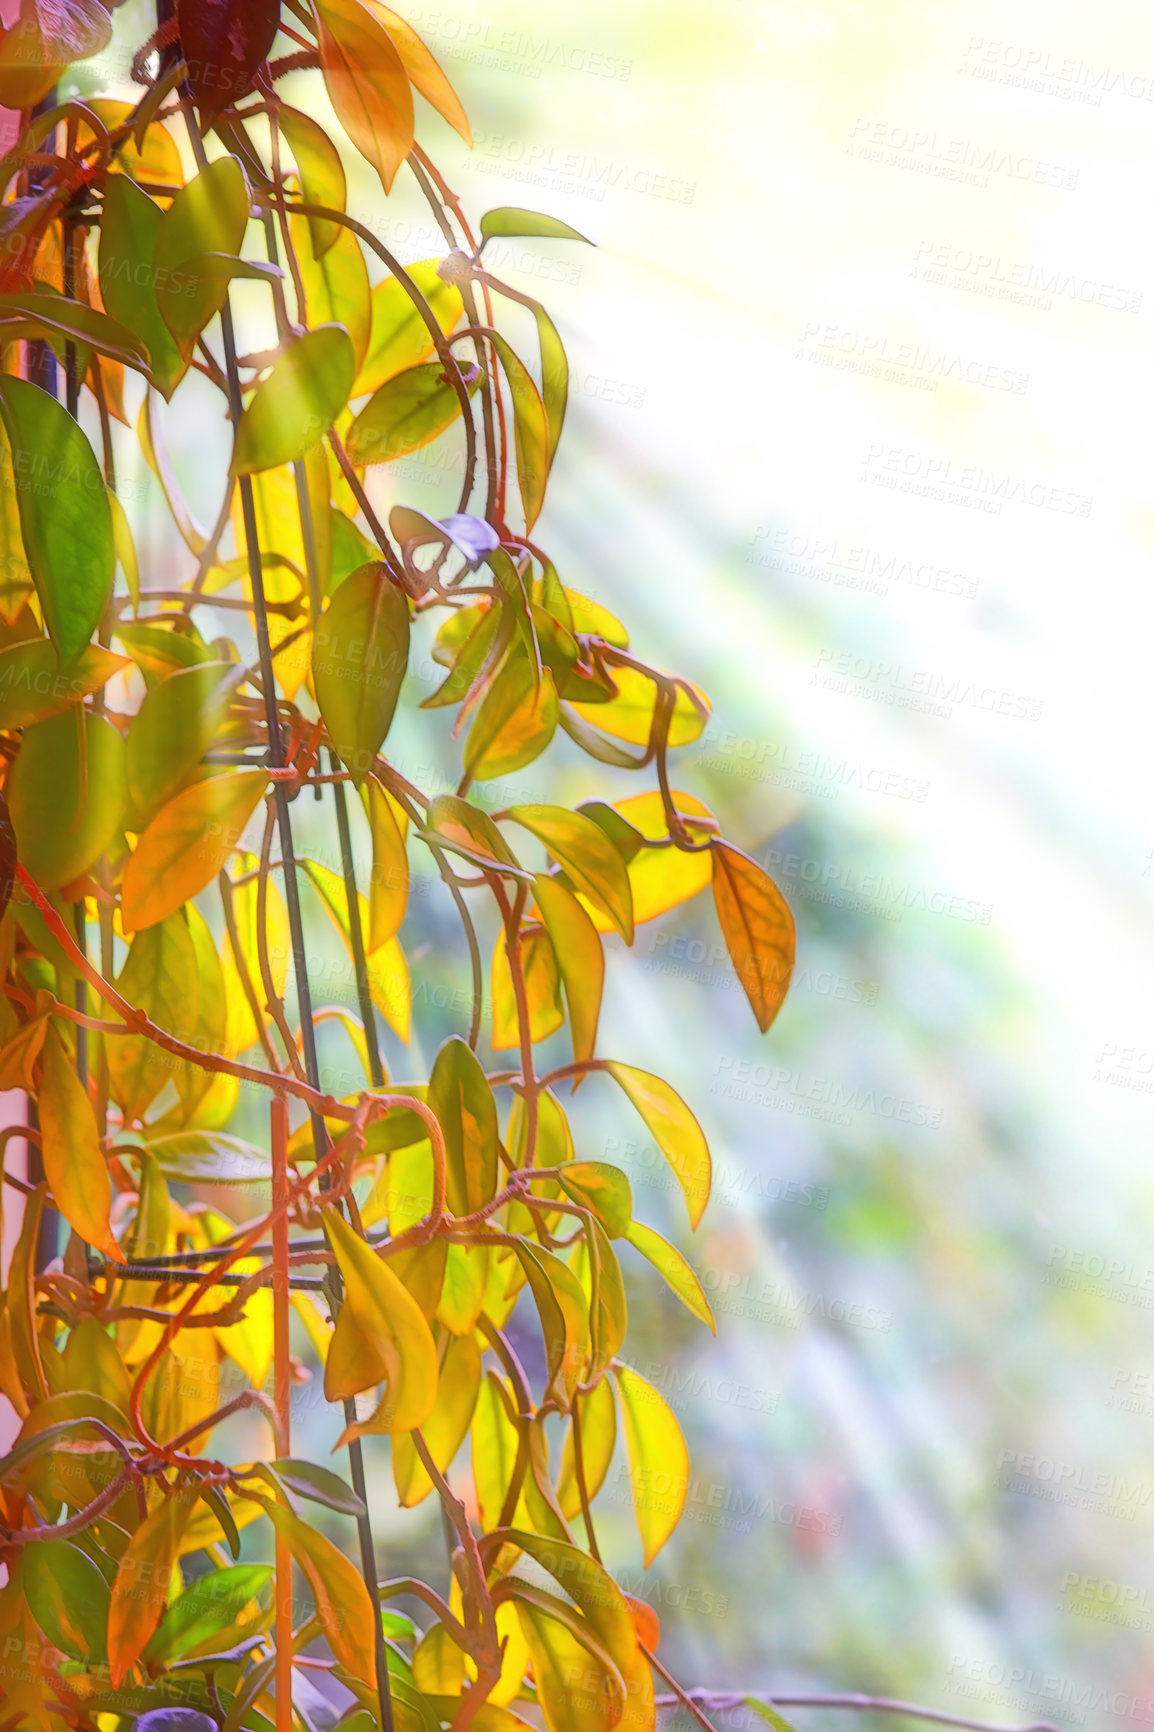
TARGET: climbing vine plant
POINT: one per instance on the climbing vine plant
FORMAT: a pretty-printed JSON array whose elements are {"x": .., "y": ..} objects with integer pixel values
[{"x": 155, "y": 952}]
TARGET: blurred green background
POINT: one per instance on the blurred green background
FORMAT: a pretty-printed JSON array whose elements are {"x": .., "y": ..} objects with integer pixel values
[{"x": 858, "y": 440}]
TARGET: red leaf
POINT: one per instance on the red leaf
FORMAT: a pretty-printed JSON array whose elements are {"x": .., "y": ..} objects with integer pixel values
[{"x": 225, "y": 43}]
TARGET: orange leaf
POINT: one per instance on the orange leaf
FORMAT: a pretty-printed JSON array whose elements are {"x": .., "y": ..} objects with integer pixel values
[
  {"x": 367, "y": 84},
  {"x": 424, "y": 71},
  {"x": 70, "y": 1144},
  {"x": 140, "y": 1591},
  {"x": 342, "y": 1600},
  {"x": 758, "y": 929},
  {"x": 186, "y": 845}
]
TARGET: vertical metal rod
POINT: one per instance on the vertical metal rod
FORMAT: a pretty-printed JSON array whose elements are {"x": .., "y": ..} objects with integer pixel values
[{"x": 333, "y": 1284}]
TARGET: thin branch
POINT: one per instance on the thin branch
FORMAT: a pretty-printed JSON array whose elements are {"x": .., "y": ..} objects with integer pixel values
[{"x": 721, "y": 1700}]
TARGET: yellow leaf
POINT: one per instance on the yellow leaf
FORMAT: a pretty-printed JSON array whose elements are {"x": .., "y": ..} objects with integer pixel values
[
  {"x": 758, "y": 929},
  {"x": 367, "y": 84},
  {"x": 580, "y": 959},
  {"x": 588, "y": 857},
  {"x": 598, "y": 1420},
  {"x": 141, "y": 1587},
  {"x": 658, "y": 1460},
  {"x": 660, "y": 878},
  {"x": 389, "y": 881},
  {"x": 241, "y": 1030},
  {"x": 675, "y": 1131},
  {"x": 347, "y": 1614},
  {"x": 514, "y": 724},
  {"x": 390, "y": 987},
  {"x": 186, "y": 845},
  {"x": 392, "y": 1322},
  {"x": 70, "y": 1146},
  {"x": 447, "y": 1426},
  {"x": 629, "y": 716},
  {"x": 399, "y": 336},
  {"x": 577, "y": 1690},
  {"x": 542, "y": 990},
  {"x": 438, "y": 1663},
  {"x": 462, "y": 1295},
  {"x": 494, "y": 1450},
  {"x": 669, "y": 1262}
]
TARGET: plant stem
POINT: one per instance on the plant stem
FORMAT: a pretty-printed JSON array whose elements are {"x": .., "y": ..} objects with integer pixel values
[{"x": 722, "y": 1700}]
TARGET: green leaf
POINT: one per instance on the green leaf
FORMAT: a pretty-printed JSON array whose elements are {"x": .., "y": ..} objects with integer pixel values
[
  {"x": 206, "y": 1607},
  {"x": 675, "y": 1131},
  {"x": 509, "y": 220},
  {"x": 767, "y": 1712},
  {"x": 580, "y": 959},
  {"x": 658, "y": 1460},
  {"x": 174, "y": 727},
  {"x": 554, "y": 376},
  {"x": 68, "y": 1596},
  {"x": 406, "y": 412},
  {"x": 587, "y": 856},
  {"x": 336, "y": 283},
  {"x": 32, "y": 688},
  {"x": 672, "y": 1266},
  {"x": 66, "y": 794},
  {"x": 65, "y": 519},
  {"x": 52, "y": 316},
  {"x": 322, "y": 173},
  {"x": 531, "y": 431},
  {"x": 604, "y": 1189},
  {"x": 317, "y": 1484},
  {"x": 514, "y": 724},
  {"x": 399, "y": 337},
  {"x": 360, "y": 658},
  {"x": 129, "y": 228},
  {"x": 209, "y": 215},
  {"x": 297, "y": 404},
  {"x": 460, "y": 1095},
  {"x": 209, "y": 1157}
]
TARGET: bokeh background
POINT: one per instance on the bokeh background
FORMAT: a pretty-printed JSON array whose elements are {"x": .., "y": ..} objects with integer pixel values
[{"x": 859, "y": 440}]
